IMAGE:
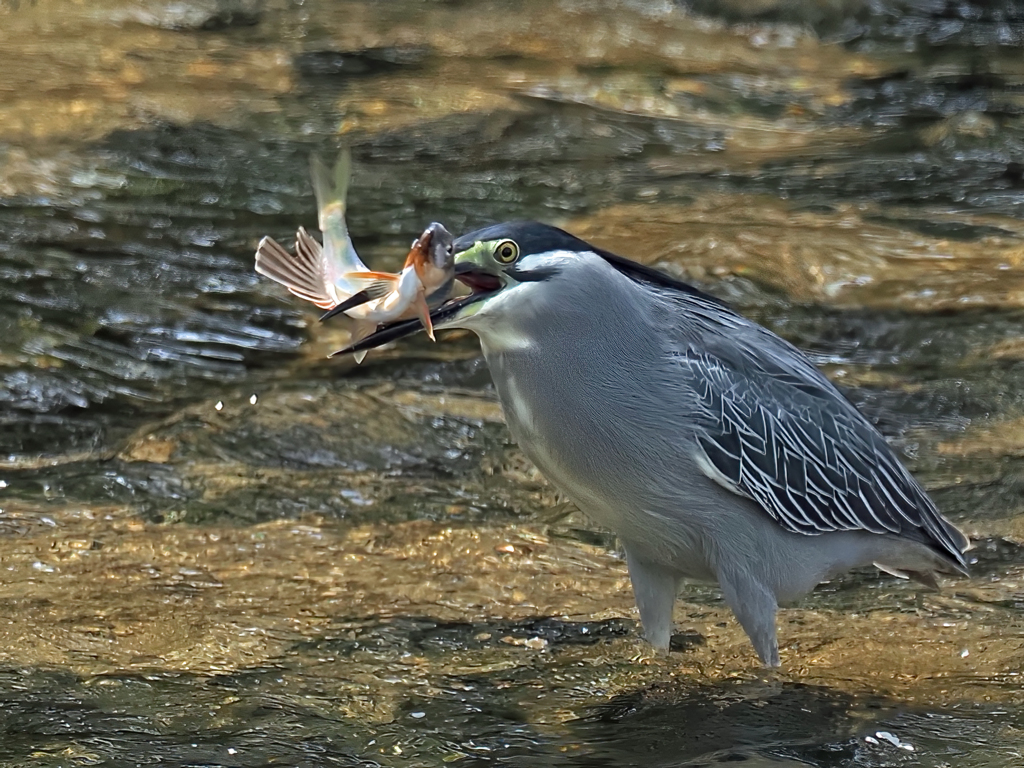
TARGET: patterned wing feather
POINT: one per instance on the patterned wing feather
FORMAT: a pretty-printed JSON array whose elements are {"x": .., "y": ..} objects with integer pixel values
[{"x": 804, "y": 454}]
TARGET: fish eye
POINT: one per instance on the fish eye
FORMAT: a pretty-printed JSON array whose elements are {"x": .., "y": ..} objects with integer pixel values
[{"x": 506, "y": 252}]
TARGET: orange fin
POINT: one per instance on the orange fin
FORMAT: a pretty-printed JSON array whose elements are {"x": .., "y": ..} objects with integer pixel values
[
  {"x": 423, "y": 310},
  {"x": 372, "y": 276}
]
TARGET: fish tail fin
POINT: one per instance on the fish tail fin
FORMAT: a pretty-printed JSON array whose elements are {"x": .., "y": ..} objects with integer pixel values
[
  {"x": 331, "y": 189},
  {"x": 330, "y": 185},
  {"x": 300, "y": 273}
]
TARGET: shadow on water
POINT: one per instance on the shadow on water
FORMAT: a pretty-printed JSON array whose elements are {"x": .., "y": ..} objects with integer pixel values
[{"x": 220, "y": 548}]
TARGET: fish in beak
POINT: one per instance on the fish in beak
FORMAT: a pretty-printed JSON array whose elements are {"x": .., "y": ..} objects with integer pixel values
[
  {"x": 482, "y": 286},
  {"x": 333, "y": 277},
  {"x": 427, "y": 276}
]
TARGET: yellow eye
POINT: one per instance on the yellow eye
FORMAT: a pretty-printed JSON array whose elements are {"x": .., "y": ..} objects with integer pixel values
[{"x": 506, "y": 252}]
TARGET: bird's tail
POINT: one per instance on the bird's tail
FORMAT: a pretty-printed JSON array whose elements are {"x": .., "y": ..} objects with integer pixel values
[
  {"x": 926, "y": 565},
  {"x": 953, "y": 543}
]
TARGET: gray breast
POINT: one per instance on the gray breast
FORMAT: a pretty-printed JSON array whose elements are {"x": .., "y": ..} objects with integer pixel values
[{"x": 587, "y": 402}]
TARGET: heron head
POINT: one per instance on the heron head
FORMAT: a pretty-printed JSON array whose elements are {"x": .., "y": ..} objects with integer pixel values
[{"x": 507, "y": 267}]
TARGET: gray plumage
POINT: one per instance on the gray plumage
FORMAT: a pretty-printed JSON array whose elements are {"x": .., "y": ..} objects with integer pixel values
[{"x": 713, "y": 448}]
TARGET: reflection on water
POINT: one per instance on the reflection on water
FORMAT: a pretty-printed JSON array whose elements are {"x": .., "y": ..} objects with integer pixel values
[{"x": 220, "y": 548}]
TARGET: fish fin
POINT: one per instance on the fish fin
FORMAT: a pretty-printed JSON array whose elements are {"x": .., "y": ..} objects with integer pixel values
[
  {"x": 300, "y": 273},
  {"x": 375, "y": 290},
  {"x": 379, "y": 289},
  {"x": 317, "y": 259},
  {"x": 926, "y": 578},
  {"x": 355, "y": 300},
  {"x": 423, "y": 310},
  {"x": 307, "y": 248},
  {"x": 358, "y": 330},
  {"x": 375, "y": 276},
  {"x": 330, "y": 186},
  {"x": 315, "y": 271}
]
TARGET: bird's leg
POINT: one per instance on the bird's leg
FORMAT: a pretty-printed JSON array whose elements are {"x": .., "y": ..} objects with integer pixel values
[
  {"x": 755, "y": 607},
  {"x": 654, "y": 588}
]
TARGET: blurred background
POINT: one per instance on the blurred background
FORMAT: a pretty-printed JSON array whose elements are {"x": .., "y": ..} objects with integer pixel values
[{"x": 217, "y": 547}]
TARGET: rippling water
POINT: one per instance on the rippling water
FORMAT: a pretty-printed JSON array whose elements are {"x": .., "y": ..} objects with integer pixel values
[{"x": 219, "y": 547}]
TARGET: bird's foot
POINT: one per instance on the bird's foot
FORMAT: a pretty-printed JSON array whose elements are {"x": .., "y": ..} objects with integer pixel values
[{"x": 646, "y": 654}]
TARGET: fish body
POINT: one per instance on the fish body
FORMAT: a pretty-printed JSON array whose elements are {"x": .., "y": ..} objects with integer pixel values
[
  {"x": 318, "y": 273},
  {"x": 425, "y": 281},
  {"x": 333, "y": 277}
]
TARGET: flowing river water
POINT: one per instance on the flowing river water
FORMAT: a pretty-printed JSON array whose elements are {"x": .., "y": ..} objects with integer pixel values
[{"x": 220, "y": 548}]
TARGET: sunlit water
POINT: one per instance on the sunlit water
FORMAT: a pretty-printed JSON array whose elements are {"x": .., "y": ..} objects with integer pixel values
[{"x": 218, "y": 547}]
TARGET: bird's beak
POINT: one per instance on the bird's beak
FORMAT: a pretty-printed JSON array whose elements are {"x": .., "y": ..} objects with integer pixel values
[{"x": 481, "y": 282}]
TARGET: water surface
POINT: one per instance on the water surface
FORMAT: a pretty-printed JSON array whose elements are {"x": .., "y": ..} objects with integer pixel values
[{"x": 221, "y": 548}]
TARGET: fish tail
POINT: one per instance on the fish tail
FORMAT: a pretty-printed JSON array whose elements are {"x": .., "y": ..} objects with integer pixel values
[{"x": 331, "y": 189}]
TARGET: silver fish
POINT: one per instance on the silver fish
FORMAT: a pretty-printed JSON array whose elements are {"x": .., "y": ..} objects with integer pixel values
[{"x": 333, "y": 277}]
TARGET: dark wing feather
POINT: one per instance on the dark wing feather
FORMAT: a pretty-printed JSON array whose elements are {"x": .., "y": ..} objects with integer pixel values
[{"x": 789, "y": 441}]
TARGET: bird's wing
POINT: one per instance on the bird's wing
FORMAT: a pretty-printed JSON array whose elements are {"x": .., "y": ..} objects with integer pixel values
[{"x": 782, "y": 435}]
